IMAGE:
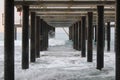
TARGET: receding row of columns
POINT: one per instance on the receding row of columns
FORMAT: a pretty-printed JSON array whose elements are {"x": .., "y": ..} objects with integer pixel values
[
  {"x": 84, "y": 30},
  {"x": 38, "y": 30}
]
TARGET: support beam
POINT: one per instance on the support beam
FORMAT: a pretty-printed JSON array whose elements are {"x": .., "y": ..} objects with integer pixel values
[
  {"x": 74, "y": 42},
  {"x": 70, "y": 32},
  {"x": 117, "y": 40},
  {"x": 39, "y": 9},
  {"x": 65, "y": 3},
  {"x": 47, "y": 38},
  {"x": 43, "y": 28},
  {"x": 108, "y": 36},
  {"x": 32, "y": 52},
  {"x": 90, "y": 37},
  {"x": 100, "y": 38},
  {"x": 41, "y": 35},
  {"x": 83, "y": 35},
  {"x": 9, "y": 40},
  {"x": 95, "y": 30},
  {"x": 79, "y": 39},
  {"x": 77, "y": 36},
  {"x": 72, "y": 13},
  {"x": 37, "y": 36},
  {"x": 45, "y": 34},
  {"x": 25, "y": 38}
]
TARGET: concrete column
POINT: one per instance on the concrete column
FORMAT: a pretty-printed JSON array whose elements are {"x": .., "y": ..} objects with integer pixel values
[
  {"x": 100, "y": 38},
  {"x": 25, "y": 38},
  {"x": 37, "y": 36},
  {"x": 90, "y": 37},
  {"x": 79, "y": 38},
  {"x": 9, "y": 40},
  {"x": 83, "y": 35},
  {"x": 108, "y": 36},
  {"x": 117, "y": 40},
  {"x": 32, "y": 47}
]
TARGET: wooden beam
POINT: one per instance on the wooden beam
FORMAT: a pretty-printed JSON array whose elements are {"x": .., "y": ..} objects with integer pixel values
[
  {"x": 67, "y": 9},
  {"x": 72, "y": 13},
  {"x": 64, "y": 3}
]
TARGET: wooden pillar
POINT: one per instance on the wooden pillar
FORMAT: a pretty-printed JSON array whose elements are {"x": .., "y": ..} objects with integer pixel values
[
  {"x": 108, "y": 36},
  {"x": 40, "y": 44},
  {"x": 79, "y": 38},
  {"x": 32, "y": 47},
  {"x": 9, "y": 40},
  {"x": 100, "y": 38},
  {"x": 90, "y": 37},
  {"x": 77, "y": 47},
  {"x": 37, "y": 36},
  {"x": 45, "y": 36},
  {"x": 117, "y": 40},
  {"x": 70, "y": 33},
  {"x": 41, "y": 35},
  {"x": 74, "y": 36},
  {"x": 83, "y": 35},
  {"x": 95, "y": 33},
  {"x": 25, "y": 38}
]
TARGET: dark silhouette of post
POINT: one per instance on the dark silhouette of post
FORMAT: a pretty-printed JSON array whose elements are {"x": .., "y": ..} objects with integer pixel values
[
  {"x": 43, "y": 28},
  {"x": 45, "y": 35},
  {"x": 79, "y": 33},
  {"x": 117, "y": 40},
  {"x": 108, "y": 36},
  {"x": 9, "y": 40},
  {"x": 32, "y": 51},
  {"x": 77, "y": 47},
  {"x": 70, "y": 33},
  {"x": 25, "y": 38},
  {"x": 37, "y": 36},
  {"x": 74, "y": 28},
  {"x": 83, "y": 35},
  {"x": 95, "y": 34},
  {"x": 100, "y": 38},
  {"x": 75, "y": 32},
  {"x": 47, "y": 39},
  {"x": 41, "y": 35},
  {"x": 90, "y": 37}
]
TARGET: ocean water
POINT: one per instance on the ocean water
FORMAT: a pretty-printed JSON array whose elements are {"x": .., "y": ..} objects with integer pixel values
[{"x": 58, "y": 35}]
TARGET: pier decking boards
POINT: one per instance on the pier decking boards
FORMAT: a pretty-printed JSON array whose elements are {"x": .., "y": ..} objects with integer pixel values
[{"x": 82, "y": 17}]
